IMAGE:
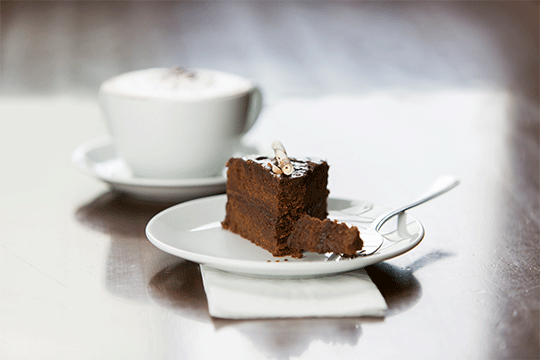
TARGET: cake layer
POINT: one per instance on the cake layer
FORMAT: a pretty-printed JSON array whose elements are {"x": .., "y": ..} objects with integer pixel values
[
  {"x": 322, "y": 236},
  {"x": 263, "y": 206}
]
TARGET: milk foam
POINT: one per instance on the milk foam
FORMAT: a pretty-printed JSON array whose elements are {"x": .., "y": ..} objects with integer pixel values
[{"x": 177, "y": 84}]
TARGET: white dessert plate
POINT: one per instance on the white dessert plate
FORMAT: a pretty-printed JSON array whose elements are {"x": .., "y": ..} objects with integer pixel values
[
  {"x": 98, "y": 158},
  {"x": 192, "y": 231}
]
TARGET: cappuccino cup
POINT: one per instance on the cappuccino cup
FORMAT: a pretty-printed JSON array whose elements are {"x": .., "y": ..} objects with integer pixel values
[{"x": 176, "y": 123}]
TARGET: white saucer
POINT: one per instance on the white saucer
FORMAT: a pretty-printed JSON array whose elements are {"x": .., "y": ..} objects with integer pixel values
[
  {"x": 193, "y": 231},
  {"x": 98, "y": 158}
]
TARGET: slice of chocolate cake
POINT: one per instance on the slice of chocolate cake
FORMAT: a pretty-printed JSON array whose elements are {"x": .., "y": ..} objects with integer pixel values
[
  {"x": 322, "y": 236},
  {"x": 264, "y": 204}
]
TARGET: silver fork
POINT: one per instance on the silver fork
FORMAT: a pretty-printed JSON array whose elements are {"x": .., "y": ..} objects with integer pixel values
[{"x": 371, "y": 236}]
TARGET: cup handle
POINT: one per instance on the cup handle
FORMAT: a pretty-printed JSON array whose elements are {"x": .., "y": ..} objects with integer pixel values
[{"x": 255, "y": 107}]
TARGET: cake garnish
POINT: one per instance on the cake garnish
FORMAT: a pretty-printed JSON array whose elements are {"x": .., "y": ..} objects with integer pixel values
[
  {"x": 283, "y": 160},
  {"x": 275, "y": 169}
]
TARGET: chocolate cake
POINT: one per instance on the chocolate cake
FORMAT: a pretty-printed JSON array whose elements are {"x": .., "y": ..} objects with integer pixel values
[
  {"x": 264, "y": 204},
  {"x": 322, "y": 236}
]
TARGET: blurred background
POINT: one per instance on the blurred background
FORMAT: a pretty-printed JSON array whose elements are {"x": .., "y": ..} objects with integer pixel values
[
  {"x": 299, "y": 48},
  {"x": 352, "y": 82}
]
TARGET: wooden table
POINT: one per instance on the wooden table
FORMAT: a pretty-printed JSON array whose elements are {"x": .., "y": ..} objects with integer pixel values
[{"x": 392, "y": 94}]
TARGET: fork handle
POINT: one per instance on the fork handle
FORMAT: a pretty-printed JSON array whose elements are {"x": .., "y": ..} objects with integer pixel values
[{"x": 439, "y": 187}]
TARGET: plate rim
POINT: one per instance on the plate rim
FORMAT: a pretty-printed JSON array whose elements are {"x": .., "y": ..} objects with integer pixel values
[{"x": 281, "y": 269}]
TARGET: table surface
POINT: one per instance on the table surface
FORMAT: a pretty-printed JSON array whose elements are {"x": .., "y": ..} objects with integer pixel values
[{"x": 391, "y": 94}]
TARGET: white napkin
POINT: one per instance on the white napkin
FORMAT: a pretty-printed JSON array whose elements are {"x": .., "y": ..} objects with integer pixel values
[{"x": 232, "y": 296}]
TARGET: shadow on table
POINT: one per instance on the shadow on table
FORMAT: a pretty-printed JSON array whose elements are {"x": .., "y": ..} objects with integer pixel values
[
  {"x": 131, "y": 260},
  {"x": 119, "y": 215},
  {"x": 178, "y": 288},
  {"x": 399, "y": 287}
]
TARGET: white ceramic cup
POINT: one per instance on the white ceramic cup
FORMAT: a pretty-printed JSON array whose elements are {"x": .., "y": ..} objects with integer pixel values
[{"x": 176, "y": 123}]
